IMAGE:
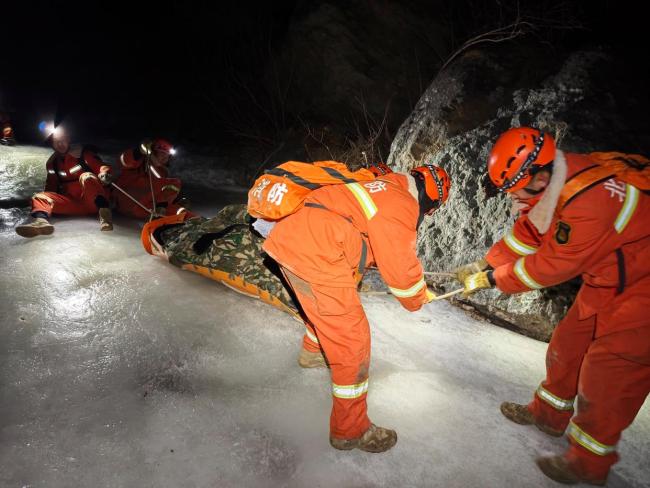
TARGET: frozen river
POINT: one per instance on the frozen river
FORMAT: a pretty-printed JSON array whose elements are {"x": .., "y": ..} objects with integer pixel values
[{"x": 119, "y": 370}]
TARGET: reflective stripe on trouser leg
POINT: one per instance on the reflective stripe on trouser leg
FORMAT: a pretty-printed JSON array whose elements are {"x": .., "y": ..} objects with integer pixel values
[
  {"x": 588, "y": 442},
  {"x": 553, "y": 400},
  {"x": 344, "y": 336},
  {"x": 552, "y": 403}
]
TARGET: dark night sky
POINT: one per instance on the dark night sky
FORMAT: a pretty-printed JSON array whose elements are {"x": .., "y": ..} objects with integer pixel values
[
  {"x": 121, "y": 68},
  {"x": 124, "y": 70}
]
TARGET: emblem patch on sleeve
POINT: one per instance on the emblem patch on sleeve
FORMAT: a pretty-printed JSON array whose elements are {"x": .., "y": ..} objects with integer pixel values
[{"x": 562, "y": 233}]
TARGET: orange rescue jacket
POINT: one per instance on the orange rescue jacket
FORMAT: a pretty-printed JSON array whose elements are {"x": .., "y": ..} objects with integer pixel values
[
  {"x": 600, "y": 233},
  {"x": 64, "y": 170},
  {"x": 325, "y": 241}
]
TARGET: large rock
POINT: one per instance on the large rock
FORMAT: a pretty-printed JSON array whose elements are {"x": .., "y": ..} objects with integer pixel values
[{"x": 459, "y": 117}]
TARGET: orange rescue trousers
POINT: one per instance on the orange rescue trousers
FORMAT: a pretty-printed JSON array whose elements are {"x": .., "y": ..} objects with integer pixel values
[
  {"x": 610, "y": 376},
  {"x": 337, "y": 326},
  {"x": 77, "y": 199}
]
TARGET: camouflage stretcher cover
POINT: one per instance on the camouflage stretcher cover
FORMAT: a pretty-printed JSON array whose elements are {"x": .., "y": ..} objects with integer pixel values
[{"x": 233, "y": 258}]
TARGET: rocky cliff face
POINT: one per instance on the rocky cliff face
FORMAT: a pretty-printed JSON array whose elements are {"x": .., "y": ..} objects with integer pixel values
[{"x": 459, "y": 117}]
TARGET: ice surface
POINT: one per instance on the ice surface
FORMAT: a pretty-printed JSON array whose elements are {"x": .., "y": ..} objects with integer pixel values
[{"x": 117, "y": 369}]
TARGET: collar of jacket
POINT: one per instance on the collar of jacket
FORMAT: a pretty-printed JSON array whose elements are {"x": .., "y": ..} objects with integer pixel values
[
  {"x": 412, "y": 187},
  {"x": 541, "y": 215}
]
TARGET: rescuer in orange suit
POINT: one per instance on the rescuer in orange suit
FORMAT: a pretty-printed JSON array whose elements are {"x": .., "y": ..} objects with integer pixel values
[
  {"x": 144, "y": 168},
  {"x": 6, "y": 131},
  {"x": 323, "y": 249},
  {"x": 75, "y": 185},
  {"x": 585, "y": 214}
]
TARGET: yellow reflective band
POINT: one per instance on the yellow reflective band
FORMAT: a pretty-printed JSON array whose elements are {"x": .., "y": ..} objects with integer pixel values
[
  {"x": 350, "y": 391},
  {"x": 43, "y": 196},
  {"x": 409, "y": 292},
  {"x": 122, "y": 159},
  {"x": 588, "y": 442},
  {"x": 311, "y": 336},
  {"x": 522, "y": 274},
  {"x": 365, "y": 200},
  {"x": 517, "y": 246},
  {"x": 554, "y": 401},
  {"x": 75, "y": 168},
  {"x": 171, "y": 187},
  {"x": 629, "y": 206},
  {"x": 153, "y": 170}
]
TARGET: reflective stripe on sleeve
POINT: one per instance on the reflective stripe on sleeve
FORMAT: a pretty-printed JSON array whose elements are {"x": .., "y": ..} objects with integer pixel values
[
  {"x": 522, "y": 274},
  {"x": 311, "y": 336},
  {"x": 554, "y": 401},
  {"x": 588, "y": 442},
  {"x": 51, "y": 171},
  {"x": 408, "y": 292},
  {"x": 517, "y": 246},
  {"x": 171, "y": 187},
  {"x": 75, "y": 168},
  {"x": 365, "y": 200},
  {"x": 154, "y": 172},
  {"x": 629, "y": 206},
  {"x": 350, "y": 391}
]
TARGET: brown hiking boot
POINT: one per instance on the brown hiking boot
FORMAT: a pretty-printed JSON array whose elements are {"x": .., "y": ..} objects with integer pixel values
[
  {"x": 38, "y": 227},
  {"x": 311, "y": 359},
  {"x": 558, "y": 468},
  {"x": 375, "y": 439},
  {"x": 105, "y": 219},
  {"x": 520, "y": 414}
]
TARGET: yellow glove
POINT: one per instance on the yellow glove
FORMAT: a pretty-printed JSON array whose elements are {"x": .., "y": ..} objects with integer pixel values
[
  {"x": 476, "y": 282},
  {"x": 430, "y": 296},
  {"x": 469, "y": 269}
]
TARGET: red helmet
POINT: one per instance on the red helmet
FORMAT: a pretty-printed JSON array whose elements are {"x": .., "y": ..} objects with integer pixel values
[
  {"x": 517, "y": 155},
  {"x": 379, "y": 169},
  {"x": 436, "y": 183},
  {"x": 163, "y": 145}
]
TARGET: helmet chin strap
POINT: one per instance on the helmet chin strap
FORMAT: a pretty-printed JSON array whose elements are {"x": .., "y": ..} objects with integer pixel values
[{"x": 426, "y": 204}]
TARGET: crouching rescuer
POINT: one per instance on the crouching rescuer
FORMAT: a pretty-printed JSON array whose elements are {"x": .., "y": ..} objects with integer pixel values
[
  {"x": 587, "y": 215},
  {"x": 75, "y": 185},
  {"x": 323, "y": 249}
]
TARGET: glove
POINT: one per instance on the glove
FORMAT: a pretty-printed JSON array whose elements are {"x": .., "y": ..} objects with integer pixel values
[
  {"x": 478, "y": 281},
  {"x": 430, "y": 296},
  {"x": 146, "y": 147},
  {"x": 105, "y": 178},
  {"x": 469, "y": 269}
]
